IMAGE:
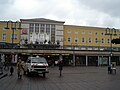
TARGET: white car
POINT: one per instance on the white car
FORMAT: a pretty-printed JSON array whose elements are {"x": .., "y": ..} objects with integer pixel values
[{"x": 36, "y": 65}]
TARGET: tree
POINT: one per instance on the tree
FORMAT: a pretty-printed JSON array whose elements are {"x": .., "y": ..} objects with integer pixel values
[{"x": 116, "y": 41}]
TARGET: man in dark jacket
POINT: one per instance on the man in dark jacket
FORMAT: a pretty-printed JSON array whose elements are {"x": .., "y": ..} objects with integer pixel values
[{"x": 60, "y": 63}]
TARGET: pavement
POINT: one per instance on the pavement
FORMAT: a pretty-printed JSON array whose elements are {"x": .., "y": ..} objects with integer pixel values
[
  {"x": 73, "y": 78},
  {"x": 3, "y": 74}
]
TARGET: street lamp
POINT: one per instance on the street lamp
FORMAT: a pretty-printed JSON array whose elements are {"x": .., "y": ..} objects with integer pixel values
[
  {"x": 13, "y": 26},
  {"x": 111, "y": 32}
]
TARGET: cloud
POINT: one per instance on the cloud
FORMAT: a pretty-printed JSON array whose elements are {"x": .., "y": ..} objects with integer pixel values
[
  {"x": 105, "y": 6},
  {"x": 101, "y": 13},
  {"x": 6, "y": 1}
]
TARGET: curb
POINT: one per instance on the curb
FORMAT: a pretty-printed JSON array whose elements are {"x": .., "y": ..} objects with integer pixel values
[
  {"x": 4, "y": 75},
  {"x": 1, "y": 73}
]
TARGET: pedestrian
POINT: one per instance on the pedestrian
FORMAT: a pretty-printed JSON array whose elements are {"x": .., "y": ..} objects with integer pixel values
[
  {"x": 60, "y": 64},
  {"x": 11, "y": 70},
  {"x": 1, "y": 66},
  {"x": 19, "y": 69}
]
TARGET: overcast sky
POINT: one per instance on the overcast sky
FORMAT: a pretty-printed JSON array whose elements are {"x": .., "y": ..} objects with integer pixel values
[{"x": 97, "y": 13}]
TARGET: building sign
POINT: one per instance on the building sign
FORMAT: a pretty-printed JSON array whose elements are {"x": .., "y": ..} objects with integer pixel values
[{"x": 24, "y": 31}]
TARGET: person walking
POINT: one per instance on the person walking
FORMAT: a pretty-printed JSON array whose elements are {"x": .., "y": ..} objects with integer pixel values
[
  {"x": 11, "y": 70},
  {"x": 60, "y": 64},
  {"x": 1, "y": 67},
  {"x": 19, "y": 69}
]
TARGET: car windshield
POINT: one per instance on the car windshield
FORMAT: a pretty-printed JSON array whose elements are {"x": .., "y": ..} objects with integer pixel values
[{"x": 39, "y": 60}]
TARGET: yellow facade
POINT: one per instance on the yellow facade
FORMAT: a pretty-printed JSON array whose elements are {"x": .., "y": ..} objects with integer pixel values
[
  {"x": 90, "y": 34},
  {"x": 9, "y": 32}
]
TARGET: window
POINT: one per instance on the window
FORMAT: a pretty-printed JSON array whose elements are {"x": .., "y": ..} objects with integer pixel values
[
  {"x": 42, "y": 27},
  {"x": 14, "y": 36},
  {"x": 53, "y": 29},
  {"x": 83, "y": 40},
  {"x": 96, "y": 40},
  {"x": 102, "y": 33},
  {"x": 52, "y": 26},
  {"x": 4, "y": 37},
  {"x": 108, "y": 41},
  {"x": 89, "y": 40},
  {"x": 37, "y": 28},
  {"x": 83, "y": 32},
  {"x": 69, "y": 39},
  {"x": 76, "y": 32},
  {"x": 48, "y": 28},
  {"x": 90, "y": 33},
  {"x": 31, "y": 28},
  {"x": 76, "y": 39},
  {"x": 102, "y": 40},
  {"x": 96, "y": 33}
]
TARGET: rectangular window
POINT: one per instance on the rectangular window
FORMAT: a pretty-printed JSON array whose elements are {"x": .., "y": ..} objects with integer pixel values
[
  {"x": 76, "y": 32},
  {"x": 108, "y": 41},
  {"x": 90, "y": 40},
  {"x": 14, "y": 36},
  {"x": 83, "y": 32},
  {"x": 89, "y": 33},
  {"x": 48, "y": 28},
  {"x": 102, "y": 40},
  {"x": 42, "y": 27},
  {"x": 83, "y": 40},
  {"x": 102, "y": 33},
  {"x": 4, "y": 37},
  {"x": 37, "y": 28},
  {"x": 53, "y": 29},
  {"x": 52, "y": 26},
  {"x": 96, "y": 40},
  {"x": 31, "y": 28},
  {"x": 69, "y": 39},
  {"x": 76, "y": 40},
  {"x": 96, "y": 33}
]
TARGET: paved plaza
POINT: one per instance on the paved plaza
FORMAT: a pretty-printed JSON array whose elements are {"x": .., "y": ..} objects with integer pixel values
[{"x": 73, "y": 78}]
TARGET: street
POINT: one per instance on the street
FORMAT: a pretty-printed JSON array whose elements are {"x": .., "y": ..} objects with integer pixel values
[{"x": 73, "y": 78}]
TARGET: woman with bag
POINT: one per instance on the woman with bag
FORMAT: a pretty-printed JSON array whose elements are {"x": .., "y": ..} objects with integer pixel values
[{"x": 20, "y": 69}]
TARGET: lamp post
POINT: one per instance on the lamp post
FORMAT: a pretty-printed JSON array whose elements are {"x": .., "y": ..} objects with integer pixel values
[
  {"x": 73, "y": 48},
  {"x": 111, "y": 32},
  {"x": 13, "y": 26}
]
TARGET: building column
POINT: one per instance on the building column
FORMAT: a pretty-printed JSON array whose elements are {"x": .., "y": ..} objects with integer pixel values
[
  {"x": 60, "y": 57},
  {"x": 98, "y": 60},
  {"x": 73, "y": 59},
  {"x": 86, "y": 60},
  {"x": 109, "y": 60}
]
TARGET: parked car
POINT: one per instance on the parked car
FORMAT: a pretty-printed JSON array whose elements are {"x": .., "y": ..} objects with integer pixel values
[{"x": 36, "y": 65}]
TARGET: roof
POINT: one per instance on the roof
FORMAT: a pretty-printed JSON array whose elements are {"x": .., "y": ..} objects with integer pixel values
[
  {"x": 76, "y": 26},
  {"x": 41, "y": 20}
]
